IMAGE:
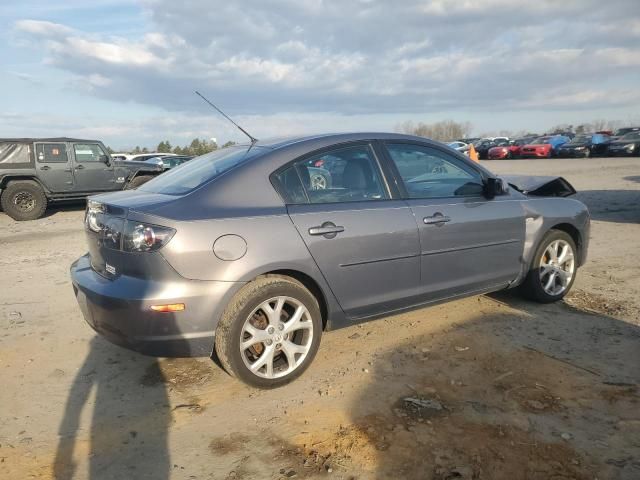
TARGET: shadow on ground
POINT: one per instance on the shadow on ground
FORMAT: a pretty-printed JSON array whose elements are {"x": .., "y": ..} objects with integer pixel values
[
  {"x": 620, "y": 206},
  {"x": 129, "y": 420},
  {"x": 520, "y": 391}
]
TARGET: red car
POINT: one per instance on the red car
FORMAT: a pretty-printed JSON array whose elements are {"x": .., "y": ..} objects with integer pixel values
[
  {"x": 539, "y": 147},
  {"x": 508, "y": 151}
]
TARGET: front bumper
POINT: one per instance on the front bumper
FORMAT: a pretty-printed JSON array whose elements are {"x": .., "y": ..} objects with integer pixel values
[
  {"x": 120, "y": 310},
  {"x": 571, "y": 153}
]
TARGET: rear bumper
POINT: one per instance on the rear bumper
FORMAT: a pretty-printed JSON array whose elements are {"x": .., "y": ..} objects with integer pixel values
[{"x": 120, "y": 311}]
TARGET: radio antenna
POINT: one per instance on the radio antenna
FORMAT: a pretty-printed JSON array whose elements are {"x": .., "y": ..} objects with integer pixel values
[{"x": 253, "y": 140}]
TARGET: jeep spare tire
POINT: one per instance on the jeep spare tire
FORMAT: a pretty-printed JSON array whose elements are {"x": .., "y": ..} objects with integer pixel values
[{"x": 24, "y": 200}]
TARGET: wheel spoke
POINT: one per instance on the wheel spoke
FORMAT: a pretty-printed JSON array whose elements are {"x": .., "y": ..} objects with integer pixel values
[
  {"x": 545, "y": 269},
  {"x": 290, "y": 351},
  {"x": 274, "y": 314},
  {"x": 257, "y": 336},
  {"x": 564, "y": 277},
  {"x": 265, "y": 360},
  {"x": 296, "y": 322},
  {"x": 550, "y": 282},
  {"x": 566, "y": 255}
]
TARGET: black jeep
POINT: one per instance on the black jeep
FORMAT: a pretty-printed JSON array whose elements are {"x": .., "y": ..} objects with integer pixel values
[{"x": 36, "y": 171}]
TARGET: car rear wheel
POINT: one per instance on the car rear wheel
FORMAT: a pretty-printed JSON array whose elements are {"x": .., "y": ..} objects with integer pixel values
[
  {"x": 553, "y": 269},
  {"x": 24, "y": 200},
  {"x": 270, "y": 332}
]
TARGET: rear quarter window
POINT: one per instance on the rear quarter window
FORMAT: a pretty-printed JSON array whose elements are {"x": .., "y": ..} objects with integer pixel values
[
  {"x": 14, "y": 153},
  {"x": 194, "y": 173}
]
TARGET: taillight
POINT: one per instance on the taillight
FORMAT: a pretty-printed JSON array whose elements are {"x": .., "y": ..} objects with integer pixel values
[{"x": 142, "y": 237}]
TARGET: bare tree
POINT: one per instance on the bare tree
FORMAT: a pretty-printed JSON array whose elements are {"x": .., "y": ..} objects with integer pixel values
[{"x": 443, "y": 130}]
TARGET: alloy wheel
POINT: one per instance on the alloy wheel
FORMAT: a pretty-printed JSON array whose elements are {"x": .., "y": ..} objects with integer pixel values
[
  {"x": 24, "y": 201},
  {"x": 276, "y": 337},
  {"x": 557, "y": 267}
]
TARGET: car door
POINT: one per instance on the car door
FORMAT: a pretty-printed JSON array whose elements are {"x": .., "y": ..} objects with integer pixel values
[
  {"x": 364, "y": 241},
  {"x": 54, "y": 166},
  {"x": 92, "y": 169},
  {"x": 468, "y": 242}
]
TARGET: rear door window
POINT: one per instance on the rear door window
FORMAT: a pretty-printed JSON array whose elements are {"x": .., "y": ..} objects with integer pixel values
[
  {"x": 51, "y": 153},
  {"x": 348, "y": 174}
]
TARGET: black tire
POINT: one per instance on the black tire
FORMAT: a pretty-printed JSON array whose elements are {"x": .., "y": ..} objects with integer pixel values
[
  {"x": 24, "y": 200},
  {"x": 137, "y": 181},
  {"x": 230, "y": 329},
  {"x": 532, "y": 287}
]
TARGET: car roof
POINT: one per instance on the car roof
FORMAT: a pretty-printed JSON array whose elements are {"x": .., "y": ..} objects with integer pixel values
[
  {"x": 330, "y": 138},
  {"x": 48, "y": 139}
]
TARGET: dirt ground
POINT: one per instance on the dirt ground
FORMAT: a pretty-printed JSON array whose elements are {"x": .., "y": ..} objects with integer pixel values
[{"x": 489, "y": 387}]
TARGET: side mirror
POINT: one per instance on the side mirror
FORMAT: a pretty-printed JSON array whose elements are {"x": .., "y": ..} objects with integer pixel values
[
  {"x": 105, "y": 159},
  {"x": 494, "y": 186}
]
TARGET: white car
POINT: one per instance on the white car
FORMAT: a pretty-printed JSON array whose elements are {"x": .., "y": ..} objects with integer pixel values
[{"x": 459, "y": 146}]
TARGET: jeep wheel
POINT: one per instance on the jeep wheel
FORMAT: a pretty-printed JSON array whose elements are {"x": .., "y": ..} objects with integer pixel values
[
  {"x": 137, "y": 181},
  {"x": 24, "y": 200}
]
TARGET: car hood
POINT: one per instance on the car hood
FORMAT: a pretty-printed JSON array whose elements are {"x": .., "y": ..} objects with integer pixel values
[
  {"x": 620, "y": 143},
  {"x": 537, "y": 145},
  {"x": 540, "y": 186},
  {"x": 573, "y": 145}
]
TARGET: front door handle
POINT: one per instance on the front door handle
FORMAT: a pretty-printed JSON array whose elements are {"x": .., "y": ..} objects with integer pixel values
[
  {"x": 327, "y": 230},
  {"x": 46, "y": 167},
  {"x": 437, "y": 219},
  {"x": 80, "y": 167}
]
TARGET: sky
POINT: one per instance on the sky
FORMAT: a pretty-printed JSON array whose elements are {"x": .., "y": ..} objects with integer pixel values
[{"x": 125, "y": 71}]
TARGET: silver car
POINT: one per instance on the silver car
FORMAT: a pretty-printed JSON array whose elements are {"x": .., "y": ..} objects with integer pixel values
[{"x": 239, "y": 253}]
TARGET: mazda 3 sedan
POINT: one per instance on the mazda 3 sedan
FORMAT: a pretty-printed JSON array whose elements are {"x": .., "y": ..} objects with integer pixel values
[{"x": 240, "y": 253}]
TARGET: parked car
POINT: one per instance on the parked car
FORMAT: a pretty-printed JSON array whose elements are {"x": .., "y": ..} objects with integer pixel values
[
  {"x": 143, "y": 157},
  {"x": 484, "y": 146},
  {"x": 512, "y": 150},
  {"x": 585, "y": 146},
  {"x": 38, "y": 171},
  {"x": 543, "y": 147},
  {"x": 237, "y": 252},
  {"x": 459, "y": 146},
  {"x": 623, "y": 131},
  {"x": 628, "y": 144},
  {"x": 172, "y": 161}
]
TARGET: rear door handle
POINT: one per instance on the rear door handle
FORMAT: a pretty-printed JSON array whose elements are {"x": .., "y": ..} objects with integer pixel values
[
  {"x": 327, "y": 230},
  {"x": 46, "y": 167},
  {"x": 80, "y": 167},
  {"x": 437, "y": 219}
]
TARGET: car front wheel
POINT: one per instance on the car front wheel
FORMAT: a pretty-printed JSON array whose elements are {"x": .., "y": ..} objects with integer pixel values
[
  {"x": 553, "y": 269},
  {"x": 270, "y": 332}
]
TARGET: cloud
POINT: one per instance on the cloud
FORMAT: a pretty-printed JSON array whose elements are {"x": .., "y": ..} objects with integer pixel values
[{"x": 356, "y": 57}]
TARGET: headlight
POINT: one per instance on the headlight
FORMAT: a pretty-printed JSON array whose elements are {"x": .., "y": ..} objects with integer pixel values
[
  {"x": 142, "y": 237},
  {"x": 630, "y": 146},
  {"x": 581, "y": 148}
]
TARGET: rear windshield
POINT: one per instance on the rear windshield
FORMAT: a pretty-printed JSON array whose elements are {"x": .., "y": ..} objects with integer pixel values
[{"x": 190, "y": 175}]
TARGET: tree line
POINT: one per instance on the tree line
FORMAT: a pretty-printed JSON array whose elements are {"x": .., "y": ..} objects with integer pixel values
[{"x": 196, "y": 147}]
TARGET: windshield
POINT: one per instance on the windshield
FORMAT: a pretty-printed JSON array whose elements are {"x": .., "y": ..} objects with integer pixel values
[
  {"x": 196, "y": 172},
  {"x": 581, "y": 139},
  {"x": 631, "y": 136},
  {"x": 539, "y": 140}
]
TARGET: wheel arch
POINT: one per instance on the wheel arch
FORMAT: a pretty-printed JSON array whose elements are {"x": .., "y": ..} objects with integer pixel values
[
  {"x": 311, "y": 285},
  {"x": 7, "y": 179},
  {"x": 573, "y": 232}
]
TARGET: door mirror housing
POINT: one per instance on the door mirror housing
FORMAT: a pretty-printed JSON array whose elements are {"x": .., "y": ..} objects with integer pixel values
[
  {"x": 105, "y": 159},
  {"x": 494, "y": 186}
]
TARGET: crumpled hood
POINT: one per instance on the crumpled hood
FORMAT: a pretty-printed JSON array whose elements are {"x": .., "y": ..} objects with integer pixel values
[{"x": 540, "y": 186}]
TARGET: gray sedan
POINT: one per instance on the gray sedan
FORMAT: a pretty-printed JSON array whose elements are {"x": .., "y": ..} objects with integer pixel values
[{"x": 240, "y": 253}]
